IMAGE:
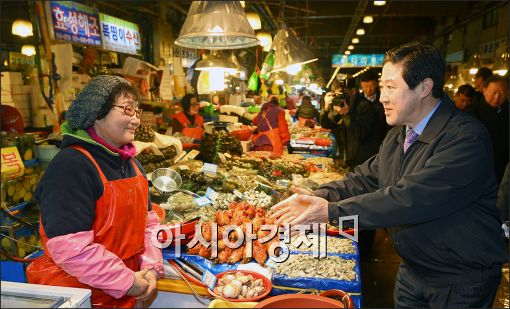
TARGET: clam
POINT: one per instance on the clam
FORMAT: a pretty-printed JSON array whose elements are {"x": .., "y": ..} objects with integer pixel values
[{"x": 231, "y": 291}]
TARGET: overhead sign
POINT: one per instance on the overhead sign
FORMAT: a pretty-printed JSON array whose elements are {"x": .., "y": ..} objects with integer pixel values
[
  {"x": 120, "y": 35},
  {"x": 357, "y": 60},
  {"x": 75, "y": 22}
]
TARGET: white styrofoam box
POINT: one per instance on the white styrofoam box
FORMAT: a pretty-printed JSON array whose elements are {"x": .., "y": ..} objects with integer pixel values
[
  {"x": 6, "y": 96},
  {"x": 21, "y": 98},
  {"x": 11, "y": 79},
  {"x": 226, "y": 118}
]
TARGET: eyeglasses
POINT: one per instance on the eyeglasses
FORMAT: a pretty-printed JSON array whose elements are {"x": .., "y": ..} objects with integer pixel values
[{"x": 130, "y": 110}]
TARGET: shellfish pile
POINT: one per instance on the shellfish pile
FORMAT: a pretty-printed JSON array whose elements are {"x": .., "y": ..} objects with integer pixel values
[{"x": 239, "y": 286}]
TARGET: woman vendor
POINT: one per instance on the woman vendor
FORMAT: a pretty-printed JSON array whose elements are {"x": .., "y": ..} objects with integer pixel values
[
  {"x": 272, "y": 128},
  {"x": 96, "y": 215},
  {"x": 189, "y": 122}
]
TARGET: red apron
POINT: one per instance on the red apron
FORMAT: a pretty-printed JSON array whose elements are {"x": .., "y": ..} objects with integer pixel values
[
  {"x": 195, "y": 131},
  {"x": 274, "y": 137},
  {"x": 119, "y": 225},
  {"x": 302, "y": 121}
]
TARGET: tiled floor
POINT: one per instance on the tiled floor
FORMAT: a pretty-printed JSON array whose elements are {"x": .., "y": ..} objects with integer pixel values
[{"x": 379, "y": 269}]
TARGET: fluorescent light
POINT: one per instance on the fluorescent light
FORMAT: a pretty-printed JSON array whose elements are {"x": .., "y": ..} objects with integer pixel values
[
  {"x": 360, "y": 31},
  {"x": 347, "y": 52},
  {"x": 368, "y": 19},
  {"x": 350, "y": 47},
  {"x": 355, "y": 40},
  {"x": 379, "y": 3}
]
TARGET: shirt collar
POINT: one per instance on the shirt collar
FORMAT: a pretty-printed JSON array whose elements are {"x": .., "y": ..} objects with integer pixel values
[{"x": 423, "y": 123}]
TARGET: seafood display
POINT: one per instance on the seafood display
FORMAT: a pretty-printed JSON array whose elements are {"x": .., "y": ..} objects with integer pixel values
[
  {"x": 237, "y": 285},
  {"x": 238, "y": 214},
  {"x": 333, "y": 245},
  {"x": 305, "y": 265}
]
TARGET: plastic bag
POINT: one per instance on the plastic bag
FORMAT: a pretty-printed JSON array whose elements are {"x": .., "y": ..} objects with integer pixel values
[{"x": 253, "y": 81}]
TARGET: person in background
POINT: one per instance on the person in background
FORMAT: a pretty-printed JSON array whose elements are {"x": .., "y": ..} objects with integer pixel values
[
  {"x": 189, "y": 122},
  {"x": 492, "y": 111},
  {"x": 272, "y": 129},
  {"x": 336, "y": 106},
  {"x": 306, "y": 113},
  {"x": 479, "y": 80},
  {"x": 464, "y": 97},
  {"x": 431, "y": 186},
  {"x": 95, "y": 235}
]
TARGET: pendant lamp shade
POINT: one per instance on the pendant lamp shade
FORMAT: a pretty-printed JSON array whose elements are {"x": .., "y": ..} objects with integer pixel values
[
  {"x": 216, "y": 25},
  {"x": 289, "y": 50},
  {"x": 214, "y": 62}
]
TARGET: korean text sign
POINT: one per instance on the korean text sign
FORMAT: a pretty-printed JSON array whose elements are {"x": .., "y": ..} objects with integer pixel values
[
  {"x": 119, "y": 35},
  {"x": 75, "y": 22}
]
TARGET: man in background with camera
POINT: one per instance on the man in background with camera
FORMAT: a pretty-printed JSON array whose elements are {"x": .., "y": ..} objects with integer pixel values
[{"x": 357, "y": 122}]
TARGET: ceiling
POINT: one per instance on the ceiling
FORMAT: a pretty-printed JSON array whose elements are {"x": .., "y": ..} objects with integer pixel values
[{"x": 326, "y": 26}]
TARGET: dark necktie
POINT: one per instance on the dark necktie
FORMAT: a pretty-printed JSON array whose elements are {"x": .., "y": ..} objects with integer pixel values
[{"x": 411, "y": 137}]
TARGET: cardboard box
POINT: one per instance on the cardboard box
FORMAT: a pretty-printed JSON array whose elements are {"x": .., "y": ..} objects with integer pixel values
[{"x": 11, "y": 79}]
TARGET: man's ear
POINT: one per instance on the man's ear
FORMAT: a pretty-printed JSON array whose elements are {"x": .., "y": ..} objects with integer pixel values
[{"x": 426, "y": 87}]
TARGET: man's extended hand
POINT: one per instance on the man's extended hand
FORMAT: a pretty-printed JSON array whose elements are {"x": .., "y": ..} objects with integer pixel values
[{"x": 301, "y": 209}]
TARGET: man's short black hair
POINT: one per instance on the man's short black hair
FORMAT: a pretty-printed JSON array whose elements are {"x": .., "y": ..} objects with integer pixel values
[
  {"x": 466, "y": 90},
  {"x": 494, "y": 79},
  {"x": 419, "y": 61},
  {"x": 369, "y": 75},
  {"x": 484, "y": 73}
]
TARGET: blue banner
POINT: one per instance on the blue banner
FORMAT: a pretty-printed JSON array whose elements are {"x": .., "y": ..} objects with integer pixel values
[
  {"x": 357, "y": 60},
  {"x": 75, "y": 22}
]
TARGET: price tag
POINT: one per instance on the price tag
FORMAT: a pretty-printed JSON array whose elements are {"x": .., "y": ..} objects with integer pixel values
[
  {"x": 223, "y": 159},
  {"x": 238, "y": 194},
  {"x": 211, "y": 194},
  {"x": 209, "y": 279},
  {"x": 179, "y": 157},
  {"x": 210, "y": 168},
  {"x": 12, "y": 165},
  {"x": 202, "y": 201}
]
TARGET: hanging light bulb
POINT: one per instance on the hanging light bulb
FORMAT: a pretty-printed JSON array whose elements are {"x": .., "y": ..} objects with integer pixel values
[
  {"x": 368, "y": 19},
  {"x": 265, "y": 40},
  {"x": 347, "y": 52},
  {"x": 500, "y": 67},
  {"x": 355, "y": 41},
  {"x": 360, "y": 31},
  {"x": 379, "y": 3},
  {"x": 289, "y": 50},
  {"x": 22, "y": 28},
  {"x": 350, "y": 47},
  {"x": 216, "y": 25},
  {"x": 474, "y": 63},
  {"x": 254, "y": 20},
  {"x": 28, "y": 50}
]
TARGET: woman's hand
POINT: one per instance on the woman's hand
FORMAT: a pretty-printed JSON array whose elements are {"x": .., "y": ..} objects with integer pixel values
[
  {"x": 152, "y": 277},
  {"x": 140, "y": 286}
]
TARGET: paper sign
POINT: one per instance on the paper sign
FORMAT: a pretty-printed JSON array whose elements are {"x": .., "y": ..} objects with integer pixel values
[
  {"x": 209, "y": 279},
  {"x": 202, "y": 201},
  {"x": 12, "y": 165},
  {"x": 191, "y": 155},
  {"x": 211, "y": 194},
  {"x": 210, "y": 168},
  {"x": 223, "y": 159},
  {"x": 238, "y": 194}
]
